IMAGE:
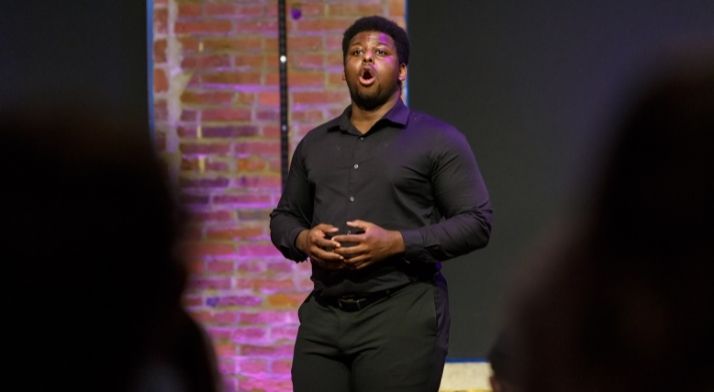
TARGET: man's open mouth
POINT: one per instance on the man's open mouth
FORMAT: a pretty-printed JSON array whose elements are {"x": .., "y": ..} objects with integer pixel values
[{"x": 366, "y": 77}]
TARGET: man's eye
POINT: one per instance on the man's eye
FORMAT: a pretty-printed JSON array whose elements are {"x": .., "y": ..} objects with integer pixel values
[
  {"x": 357, "y": 52},
  {"x": 381, "y": 52}
]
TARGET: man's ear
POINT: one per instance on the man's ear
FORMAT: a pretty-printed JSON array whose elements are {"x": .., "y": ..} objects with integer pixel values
[{"x": 402, "y": 72}]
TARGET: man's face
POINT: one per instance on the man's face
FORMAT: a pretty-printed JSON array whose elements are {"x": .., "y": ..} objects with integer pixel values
[{"x": 372, "y": 69}]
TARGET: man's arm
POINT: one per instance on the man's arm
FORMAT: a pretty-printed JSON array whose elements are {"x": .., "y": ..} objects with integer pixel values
[
  {"x": 462, "y": 198},
  {"x": 290, "y": 221},
  {"x": 294, "y": 211}
]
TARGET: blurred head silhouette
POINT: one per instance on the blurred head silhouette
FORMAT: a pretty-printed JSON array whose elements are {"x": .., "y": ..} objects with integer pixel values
[
  {"x": 93, "y": 278},
  {"x": 625, "y": 303}
]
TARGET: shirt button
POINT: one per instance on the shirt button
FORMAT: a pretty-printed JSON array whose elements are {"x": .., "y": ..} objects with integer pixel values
[
  {"x": 352, "y": 199},
  {"x": 361, "y": 138},
  {"x": 356, "y": 166}
]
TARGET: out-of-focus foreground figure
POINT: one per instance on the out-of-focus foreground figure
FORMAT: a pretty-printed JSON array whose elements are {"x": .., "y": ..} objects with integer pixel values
[
  {"x": 92, "y": 276},
  {"x": 625, "y": 303}
]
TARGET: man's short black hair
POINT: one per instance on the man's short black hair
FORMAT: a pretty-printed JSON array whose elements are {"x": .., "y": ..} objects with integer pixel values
[{"x": 383, "y": 25}]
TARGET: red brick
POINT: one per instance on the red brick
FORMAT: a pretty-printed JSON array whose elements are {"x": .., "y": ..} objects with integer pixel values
[
  {"x": 306, "y": 78},
  {"x": 323, "y": 25},
  {"x": 319, "y": 97},
  {"x": 354, "y": 9},
  {"x": 251, "y": 266},
  {"x": 285, "y": 331},
  {"x": 212, "y": 166},
  {"x": 220, "y": 9},
  {"x": 235, "y": 234},
  {"x": 257, "y": 250},
  {"x": 248, "y": 61},
  {"x": 228, "y": 114},
  {"x": 335, "y": 79},
  {"x": 249, "y": 199},
  {"x": 161, "y": 82},
  {"x": 160, "y": 51},
  {"x": 268, "y": 115},
  {"x": 307, "y": 61},
  {"x": 268, "y": 317},
  {"x": 204, "y": 182},
  {"x": 265, "y": 384},
  {"x": 187, "y": 132},
  {"x": 204, "y": 148},
  {"x": 202, "y": 27},
  {"x": 233, "y": 44},
  {"x": 282, "y": 300},
  {"x": 270, "y": 45},
  {"x": 230, "y": 131},
  {"x": 281, "y": 267},
  {"x": 304, "y": 43},
  {"x": 189, "y": 44},
  {"x": 194, "y": 199},
  {"x": 258, "y": 147},
  {"x": 397, "y": 8},
  {"x": 249, "y": 334},
  {"x": 274, "y": 285},
  {"x": 220, "y": 266},
  {"x": 206, "y": 98},
  {"x": 199, "y": 283},
  {"x": 333, "y": 43},
  {"x": 258, "y": 214},
  {"x": 161, "y": 18},
  {"x": 253, "y": 365},
  {"x": 269, "y": 98},
  {"x": 335, "y": 60},
  {"x": 214, "y": 216},
  {"x": 251, "y": 10},
  {"x": 281, "y": 366},
  {"x": 271, "y": 132},
  {"x": 221, "y": 317},
  {"x": 207, "y": 61},
  {"x": 310, "y": 9},
  {"x": 268, "y": 26},
  {"x": 189, "y": 10},
  {"x": 188, "y": 115},
  {"x": 251, "y": 164},
  {"x": 308, "y": 116},
  {"x": 231, "y": 78},
  {"x": 271, "y": 351}
]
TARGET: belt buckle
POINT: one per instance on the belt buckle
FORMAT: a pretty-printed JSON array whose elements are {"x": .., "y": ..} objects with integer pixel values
[{"x": 351, "y": 304}]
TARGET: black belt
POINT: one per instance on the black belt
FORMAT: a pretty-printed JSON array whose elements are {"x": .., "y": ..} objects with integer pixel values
[{"x": 355, "y": 302}]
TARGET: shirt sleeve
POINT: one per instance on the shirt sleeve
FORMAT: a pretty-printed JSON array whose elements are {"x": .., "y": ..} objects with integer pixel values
[
  {"x": 294, "y": 211},
  {"x": 462, "y": 200}
]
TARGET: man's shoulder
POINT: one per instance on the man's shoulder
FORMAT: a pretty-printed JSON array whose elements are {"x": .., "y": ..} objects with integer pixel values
[{"x": 424, "y": 122}]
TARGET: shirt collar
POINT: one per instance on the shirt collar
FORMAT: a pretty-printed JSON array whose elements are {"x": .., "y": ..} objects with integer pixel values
[{"x": 398, "y": 115}]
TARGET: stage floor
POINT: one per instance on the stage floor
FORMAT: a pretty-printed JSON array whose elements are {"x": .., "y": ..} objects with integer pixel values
[{"x": 466, "y": 377}]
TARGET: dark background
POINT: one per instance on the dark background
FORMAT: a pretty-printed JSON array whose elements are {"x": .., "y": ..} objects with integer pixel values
[
  {"x": 533, "y": 86},
  {"x": 80, "y": 53}
]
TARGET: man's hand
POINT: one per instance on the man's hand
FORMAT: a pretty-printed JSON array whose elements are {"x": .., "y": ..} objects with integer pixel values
[
  {"x": 320, "y": 249},
  {"x": 372, "y": 246}
]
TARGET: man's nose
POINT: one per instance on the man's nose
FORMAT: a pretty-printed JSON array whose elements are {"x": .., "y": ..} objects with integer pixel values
[{"x": 367, "y": 58}]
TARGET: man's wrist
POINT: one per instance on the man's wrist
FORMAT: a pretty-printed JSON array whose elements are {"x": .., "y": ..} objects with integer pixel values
[
  {"x": 398, "y": 245},
  {"x": 300, "y": 242}
]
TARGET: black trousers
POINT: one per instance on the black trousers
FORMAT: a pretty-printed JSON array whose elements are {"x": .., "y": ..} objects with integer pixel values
[{"x": 396, "y": 344}]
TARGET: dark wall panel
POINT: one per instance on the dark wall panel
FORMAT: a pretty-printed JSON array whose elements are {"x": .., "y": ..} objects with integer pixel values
[
  {"x": 90, "y": 54},
  {"x": 532, "y": 84}
]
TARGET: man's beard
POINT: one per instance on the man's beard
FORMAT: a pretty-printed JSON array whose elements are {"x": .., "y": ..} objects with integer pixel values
[{"x": 372, "y": 101}]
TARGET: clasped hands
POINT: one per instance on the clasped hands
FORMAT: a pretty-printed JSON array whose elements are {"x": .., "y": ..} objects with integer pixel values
[{"x": 371, "y": 246}]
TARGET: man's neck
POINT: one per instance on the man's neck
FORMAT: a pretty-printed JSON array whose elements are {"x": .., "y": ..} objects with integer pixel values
[{"x": 364, "y": 119}]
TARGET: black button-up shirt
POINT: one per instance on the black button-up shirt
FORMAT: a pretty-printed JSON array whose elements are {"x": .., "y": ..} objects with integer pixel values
[{"x": 410, "y": 172}]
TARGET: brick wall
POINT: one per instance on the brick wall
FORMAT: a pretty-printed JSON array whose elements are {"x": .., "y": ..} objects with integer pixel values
[{"x": 217, "y": 126}]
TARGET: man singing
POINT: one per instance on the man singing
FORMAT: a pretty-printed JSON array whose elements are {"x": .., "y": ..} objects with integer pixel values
[{"x": 376, "y": 199}]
